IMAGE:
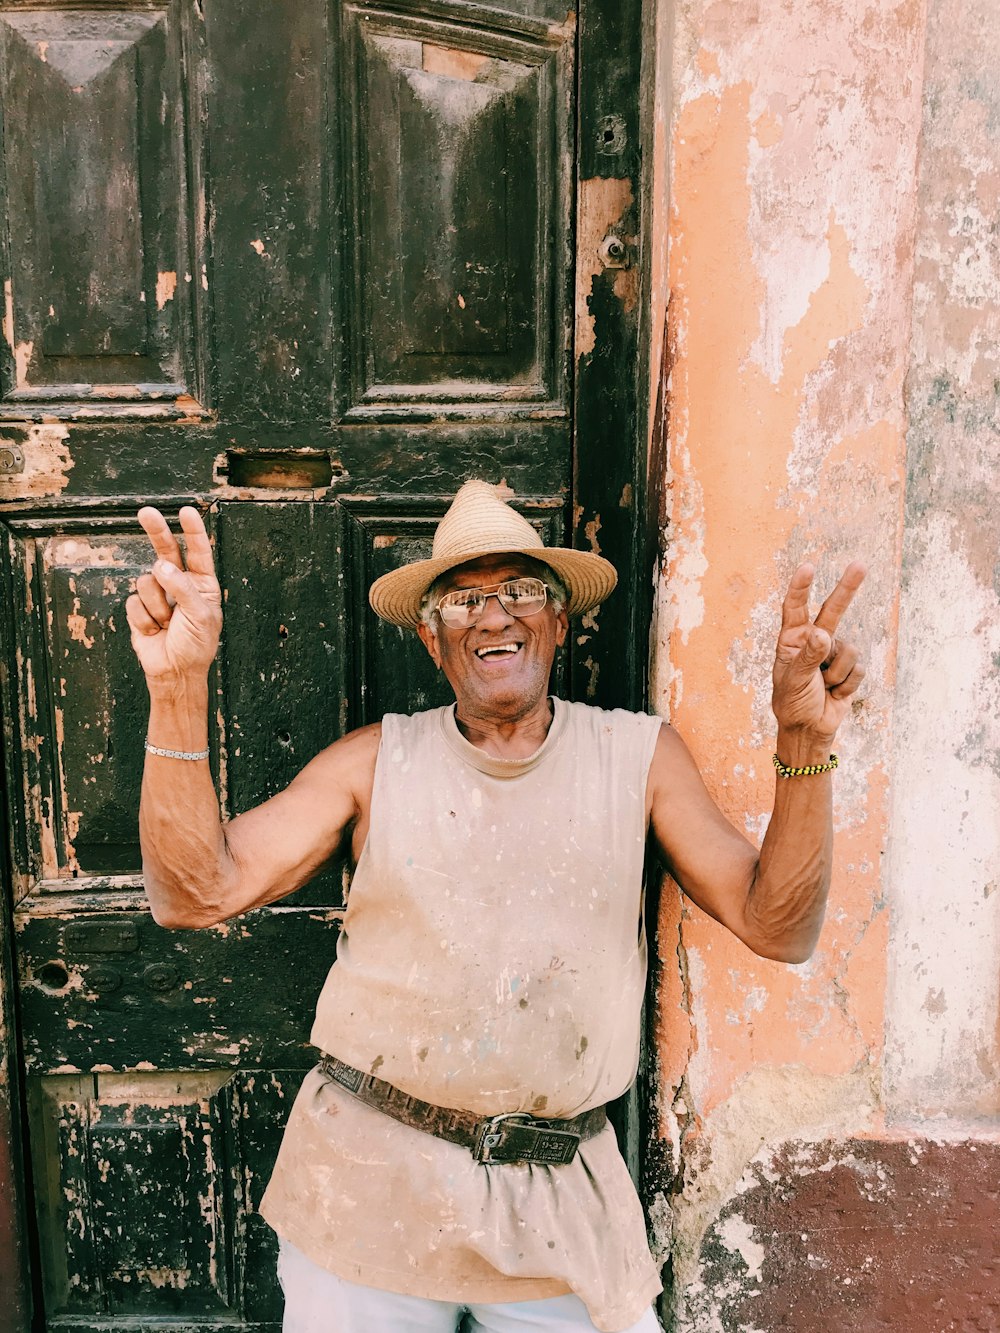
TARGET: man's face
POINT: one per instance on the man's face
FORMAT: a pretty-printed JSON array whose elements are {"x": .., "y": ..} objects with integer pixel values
[{"x": 495, "y": 686}]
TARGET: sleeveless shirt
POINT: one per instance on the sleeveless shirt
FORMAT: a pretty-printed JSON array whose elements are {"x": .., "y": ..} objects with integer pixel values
[{"x": 492, "y": 958}]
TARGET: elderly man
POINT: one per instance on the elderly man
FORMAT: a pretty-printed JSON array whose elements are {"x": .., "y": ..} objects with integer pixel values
[{"x": 449, "y": 1158}]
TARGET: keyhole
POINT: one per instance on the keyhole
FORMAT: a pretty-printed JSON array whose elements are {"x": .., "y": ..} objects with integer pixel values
[
  {"x": 609, "y": 136},
  {"x": 53, "y": 975}
]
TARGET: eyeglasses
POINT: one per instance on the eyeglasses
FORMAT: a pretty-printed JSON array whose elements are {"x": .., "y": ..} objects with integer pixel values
[{"x": 462, "y": 608}]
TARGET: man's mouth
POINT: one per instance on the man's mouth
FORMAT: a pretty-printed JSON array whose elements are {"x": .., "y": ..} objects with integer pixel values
[{"x": 496, "y": 652}]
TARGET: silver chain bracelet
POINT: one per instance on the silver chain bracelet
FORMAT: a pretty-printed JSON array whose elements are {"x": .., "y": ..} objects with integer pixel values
[{"x": 176, "y": 754}]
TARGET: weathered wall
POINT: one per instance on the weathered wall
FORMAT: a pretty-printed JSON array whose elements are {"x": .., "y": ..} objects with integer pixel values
[{"x": 801, "y": 232}]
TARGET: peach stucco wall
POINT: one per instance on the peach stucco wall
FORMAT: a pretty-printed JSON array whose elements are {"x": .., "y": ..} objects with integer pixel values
[{"x": 788, "y": 209}]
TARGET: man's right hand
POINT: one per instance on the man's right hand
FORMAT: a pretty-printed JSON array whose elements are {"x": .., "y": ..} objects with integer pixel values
[{"x": 175, "y": 615}]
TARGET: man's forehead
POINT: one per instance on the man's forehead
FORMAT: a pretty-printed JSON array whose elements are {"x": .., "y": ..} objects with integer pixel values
[{"x": 488, "y": 568}]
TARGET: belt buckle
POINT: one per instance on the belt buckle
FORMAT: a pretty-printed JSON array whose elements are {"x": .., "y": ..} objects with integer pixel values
[
  {"x": 345, "y": 1075},
  {"x": 514, "y": 1137}
]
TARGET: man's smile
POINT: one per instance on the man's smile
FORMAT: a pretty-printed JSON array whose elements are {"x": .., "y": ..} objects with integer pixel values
[{"x": 498, "y": 652}]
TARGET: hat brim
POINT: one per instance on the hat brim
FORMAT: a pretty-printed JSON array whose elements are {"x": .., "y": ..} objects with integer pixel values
[{"x": 588, "y": 579}]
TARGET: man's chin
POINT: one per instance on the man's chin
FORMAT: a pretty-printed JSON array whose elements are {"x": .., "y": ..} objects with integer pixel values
[{"x": 504, "y": 699}]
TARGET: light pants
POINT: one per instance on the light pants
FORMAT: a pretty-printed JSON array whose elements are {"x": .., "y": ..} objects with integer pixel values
[{"x": 317, "y": 1301}]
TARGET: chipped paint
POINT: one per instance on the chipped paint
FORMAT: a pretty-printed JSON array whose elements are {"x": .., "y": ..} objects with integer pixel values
[
  {"x": 166, "y": 285},
  {"x": 602, "y": 205},
  {"x": 590, "y": 531},
  {"x": 769, "y": 1106},
  {"x": 84, "y": 553},
  {"x": 47, "y": 463},
  {"x": 453, "y": 64},
  {"x": 22, "y": 360},
  {"x": 8, "y": 313},
  {"x": 739, "y": 1238},
  {"x": 22, "y": 351},
  {"x": 77, "y": 626}
]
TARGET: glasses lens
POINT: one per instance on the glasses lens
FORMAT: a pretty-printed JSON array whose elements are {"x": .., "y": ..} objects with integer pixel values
[
  {"x": 463, "y": 608},
  {"x": 518, "y": 597},
  {"x": 522, "y": 597}
]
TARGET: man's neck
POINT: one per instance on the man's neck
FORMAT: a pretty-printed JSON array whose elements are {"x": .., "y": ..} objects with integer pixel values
[{"x": 508, "y": 738}]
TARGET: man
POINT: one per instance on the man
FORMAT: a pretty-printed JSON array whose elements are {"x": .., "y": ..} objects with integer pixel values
[{"x": 449, "y": 1158}]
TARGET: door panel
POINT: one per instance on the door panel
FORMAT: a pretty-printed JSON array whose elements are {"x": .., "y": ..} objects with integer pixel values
[
  {"x": 100, "y": 143},
  {"x": 79, "y": 701},
  {"x": 309, "y": 264},
  {"x": 145, "y": 1186},
  {"x": 287, "y": 643},
  {"x": 106, "y": 988},
  {"x": 460, "y": 306}
]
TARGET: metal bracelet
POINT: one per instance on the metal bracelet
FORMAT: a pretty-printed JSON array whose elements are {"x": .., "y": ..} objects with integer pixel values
[{"x": 175, "y": 754}]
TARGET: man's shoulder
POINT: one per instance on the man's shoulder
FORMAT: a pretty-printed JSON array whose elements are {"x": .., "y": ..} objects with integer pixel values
[
  {"x": 415, "y": 729},
  {"x": 421, "y": 717},
  {"x": 609, "y": 726},
  {"x": 357, "y": 747},
  {"x": 594, "y": 715}
]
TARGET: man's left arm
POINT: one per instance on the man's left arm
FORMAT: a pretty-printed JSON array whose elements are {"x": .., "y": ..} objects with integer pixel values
[{"x": 773, "y": 900}]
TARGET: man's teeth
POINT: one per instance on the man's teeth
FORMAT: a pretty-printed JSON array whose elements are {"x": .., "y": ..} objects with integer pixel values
[{"x": 497, "y": 650}]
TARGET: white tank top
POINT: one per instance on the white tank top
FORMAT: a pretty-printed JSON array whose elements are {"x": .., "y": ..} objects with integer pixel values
[{"x": 492, "y": 955}]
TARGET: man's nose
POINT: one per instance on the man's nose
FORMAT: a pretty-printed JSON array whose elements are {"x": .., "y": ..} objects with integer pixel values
[{"x": 494, "y": 616}]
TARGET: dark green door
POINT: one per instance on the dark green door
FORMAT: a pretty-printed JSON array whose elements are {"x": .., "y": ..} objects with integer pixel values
[{"x": 309, "y": 264}]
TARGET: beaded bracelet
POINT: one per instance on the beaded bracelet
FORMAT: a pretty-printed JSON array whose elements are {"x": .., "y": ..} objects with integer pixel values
[
  {"x": 175, "y": 754},
  {"x": 807, "y": 771}
]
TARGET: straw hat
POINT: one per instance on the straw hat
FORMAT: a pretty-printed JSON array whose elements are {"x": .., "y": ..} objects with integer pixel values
[{"x": 479, "y": 523}]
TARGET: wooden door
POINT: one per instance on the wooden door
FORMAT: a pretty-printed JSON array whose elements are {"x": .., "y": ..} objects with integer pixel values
[{"x": 309, "y": 264}]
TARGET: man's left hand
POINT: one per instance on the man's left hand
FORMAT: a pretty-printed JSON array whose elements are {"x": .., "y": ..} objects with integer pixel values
[{"x": 815, "y": 672}]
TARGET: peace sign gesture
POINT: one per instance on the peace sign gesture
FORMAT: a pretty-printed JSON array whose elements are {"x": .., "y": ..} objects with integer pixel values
[
  {"x": 175, "y": 615},
  {"x": 815, "y": 673}
]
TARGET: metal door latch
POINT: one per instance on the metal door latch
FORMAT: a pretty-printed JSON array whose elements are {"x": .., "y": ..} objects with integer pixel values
[{"x": 613, "y": 251}]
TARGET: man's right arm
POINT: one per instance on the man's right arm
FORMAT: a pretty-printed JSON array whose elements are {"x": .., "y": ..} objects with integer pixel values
[{"x": 197, "y": 869}]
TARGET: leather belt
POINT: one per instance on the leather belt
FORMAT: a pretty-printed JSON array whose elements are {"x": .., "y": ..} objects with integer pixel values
[{"x": 514, "y": 1136}]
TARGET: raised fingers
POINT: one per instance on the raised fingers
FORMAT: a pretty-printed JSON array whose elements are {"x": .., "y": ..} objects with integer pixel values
[
  {"x": 162, "y": 540},
  {"x": 795, "y": 607},
  {"x": 197, "y": 547},
  {"x": 840, "y": 599}
]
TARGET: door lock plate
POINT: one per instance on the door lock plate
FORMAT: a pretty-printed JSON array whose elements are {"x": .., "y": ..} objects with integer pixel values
[{"x": 11, "y": 459}]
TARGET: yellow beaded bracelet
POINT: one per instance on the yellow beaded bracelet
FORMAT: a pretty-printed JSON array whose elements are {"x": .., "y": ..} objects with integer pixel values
[{"x": 808, "y": 771}]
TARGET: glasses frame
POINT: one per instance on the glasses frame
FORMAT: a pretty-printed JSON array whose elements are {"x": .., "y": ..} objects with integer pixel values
[{"x": 493, "y": 590}]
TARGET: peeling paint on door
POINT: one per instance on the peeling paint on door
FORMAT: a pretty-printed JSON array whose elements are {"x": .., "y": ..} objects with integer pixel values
[{"x": 603, "y": 203}]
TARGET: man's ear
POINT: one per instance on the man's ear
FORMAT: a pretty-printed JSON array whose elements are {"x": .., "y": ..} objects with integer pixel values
[
  {"x": 562, "y": 627},
  {"x": 430, "y": 641}
]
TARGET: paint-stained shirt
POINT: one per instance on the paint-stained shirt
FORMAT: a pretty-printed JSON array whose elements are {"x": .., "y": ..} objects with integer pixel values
[{"x": 492, "y": 958}]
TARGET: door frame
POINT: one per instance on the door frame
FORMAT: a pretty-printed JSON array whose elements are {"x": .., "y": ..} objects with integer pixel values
[
  {"x": 617, "y": 491},
  {"x": 16, "y": 1227},
  {"x": 614, "y": 506}
]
